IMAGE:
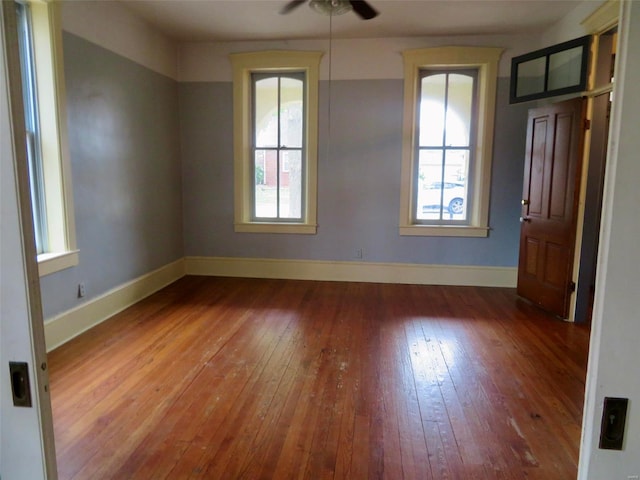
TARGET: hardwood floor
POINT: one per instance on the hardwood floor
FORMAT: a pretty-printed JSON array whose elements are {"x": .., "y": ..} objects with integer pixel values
[{"x": 221, "y": 378}]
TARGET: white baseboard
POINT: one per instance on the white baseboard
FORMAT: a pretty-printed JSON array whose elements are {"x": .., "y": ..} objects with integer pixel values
[
  {"x": 64, "y": 327},
  {"x": 353, "y": 271}
]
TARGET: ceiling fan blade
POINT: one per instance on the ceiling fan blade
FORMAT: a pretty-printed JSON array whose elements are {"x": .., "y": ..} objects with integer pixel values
[
  {"x": 363, "y": 9},
  {"x": 291, "y": 5}
]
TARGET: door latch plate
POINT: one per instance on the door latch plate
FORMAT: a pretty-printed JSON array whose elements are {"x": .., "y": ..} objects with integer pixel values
[{"x": 20, "y": 386}]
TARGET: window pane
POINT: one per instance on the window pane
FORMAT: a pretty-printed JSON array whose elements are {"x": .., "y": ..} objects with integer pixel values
[
  {"x": 266, "y": 112},
  {"x": 291, "y": 95},
  {"x": 459, "y": 104},
  {"x": 291, "y": 184},
  {"x": 565, "y": 68},
  {"x": 429, "y": 194},
  {"x": 531, "y": 77},
  {"x": 455, "y": 189},
  {"x": 432, "y": 118},
  {"x": 442, "y": 188},
  {"x": 265, "y": 184}
]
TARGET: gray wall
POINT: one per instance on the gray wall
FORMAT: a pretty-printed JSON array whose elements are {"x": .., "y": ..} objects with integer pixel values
[
  {"x": 358, "y": 181},
  {"x": 126, "y": 173},
  {"x": 152, "y": 165}
]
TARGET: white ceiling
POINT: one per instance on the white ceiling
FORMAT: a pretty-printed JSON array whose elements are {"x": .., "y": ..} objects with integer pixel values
[{"x": 230, "y": 20}]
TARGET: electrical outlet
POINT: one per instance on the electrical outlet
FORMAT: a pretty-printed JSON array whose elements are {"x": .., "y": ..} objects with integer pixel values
[
  {"x": 81, "y": 290},
  {"x": 358, "y": 253}
]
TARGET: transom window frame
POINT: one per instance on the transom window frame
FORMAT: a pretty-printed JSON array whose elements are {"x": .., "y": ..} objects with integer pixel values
[
  {"x": 280, "y": 61},
  {"x": 485, "y": 61}
]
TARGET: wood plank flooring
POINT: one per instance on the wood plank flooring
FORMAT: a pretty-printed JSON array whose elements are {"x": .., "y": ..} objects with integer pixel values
[{"x": 221, "y": 378}]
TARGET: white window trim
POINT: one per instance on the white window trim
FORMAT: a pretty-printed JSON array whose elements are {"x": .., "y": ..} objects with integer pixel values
[
  {"x": 485, "y": 59},
  {"x": 47, "y": 35},
  {"x": 243, "y": 65}
]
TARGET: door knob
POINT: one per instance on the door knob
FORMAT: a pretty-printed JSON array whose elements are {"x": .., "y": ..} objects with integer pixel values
[
  {"x": 524, "y": 202},
  {"x": 524, "y": 219}
]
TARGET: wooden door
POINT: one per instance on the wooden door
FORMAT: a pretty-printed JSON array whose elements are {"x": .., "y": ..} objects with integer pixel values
[{"x": 555, "y": 137}]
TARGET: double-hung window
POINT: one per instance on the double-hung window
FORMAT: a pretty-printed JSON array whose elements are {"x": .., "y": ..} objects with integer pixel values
[
  {"x": 278, "y": 146},
  {"x": 32, "y": 126},
  {"x": 39, "y": 38},
  {"x": 275, "y": 141},
  {"x": 445, "y": 146},
  {"x": 449, "y": 104}
]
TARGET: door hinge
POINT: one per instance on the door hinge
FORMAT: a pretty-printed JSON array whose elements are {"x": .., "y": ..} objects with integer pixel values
[
  {"x": 572, "y": 287},
  {"x": 587, "y": 124}
]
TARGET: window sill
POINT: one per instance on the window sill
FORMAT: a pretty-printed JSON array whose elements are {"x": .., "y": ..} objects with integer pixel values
[
  {"x": 295, "y": 228},
  {"x": 54, "y": 262},
  {"x": 444, "y": 231}
]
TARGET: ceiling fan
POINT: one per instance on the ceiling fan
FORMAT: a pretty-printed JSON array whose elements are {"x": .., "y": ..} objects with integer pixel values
[{"x": 335, "y": 7}]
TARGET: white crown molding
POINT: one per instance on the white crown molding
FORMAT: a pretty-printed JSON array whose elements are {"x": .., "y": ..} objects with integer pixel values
[
  {"x": 603, "y": 18},
  {"x": 113, "y": 27}
]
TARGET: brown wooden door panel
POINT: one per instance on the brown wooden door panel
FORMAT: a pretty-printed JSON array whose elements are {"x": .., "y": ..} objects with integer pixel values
[
  {"x": 536, "y": 172},
  {"x": 532, "y": 247},
  {"x": 560, "y": 205},
  {"x": 555, "y": 255},
  {"x": 550, "y": 204}
]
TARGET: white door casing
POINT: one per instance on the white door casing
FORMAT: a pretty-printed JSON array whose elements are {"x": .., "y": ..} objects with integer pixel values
[{"x": 26, "y": 434}]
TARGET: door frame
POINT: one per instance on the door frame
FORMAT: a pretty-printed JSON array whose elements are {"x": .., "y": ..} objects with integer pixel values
[
  {"x": 599, "y": 23},
  {"x": 26, "y": 436}
]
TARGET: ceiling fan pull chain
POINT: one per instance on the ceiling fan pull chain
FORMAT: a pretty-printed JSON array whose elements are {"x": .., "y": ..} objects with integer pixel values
[{"x": 329, "y": 86}]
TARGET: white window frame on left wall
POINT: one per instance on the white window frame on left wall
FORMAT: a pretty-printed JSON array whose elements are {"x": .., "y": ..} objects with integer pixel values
[{"x": 61, "y": 251}]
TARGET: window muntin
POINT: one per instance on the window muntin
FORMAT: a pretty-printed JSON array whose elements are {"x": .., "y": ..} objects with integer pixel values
[
  {"x": 278, "y": 146},
  {"x": 32, "y": 125},
  {"x": 445, "y": 146}
]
